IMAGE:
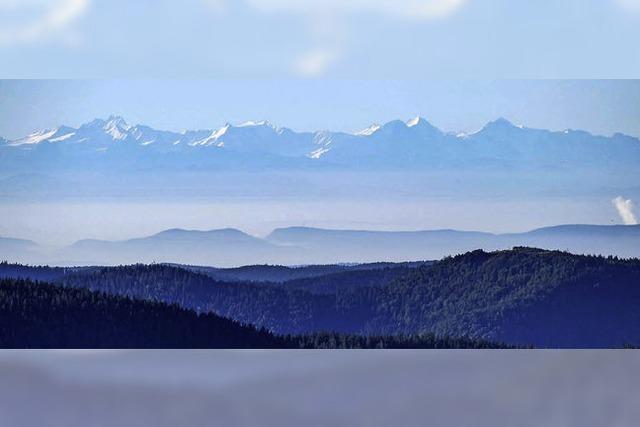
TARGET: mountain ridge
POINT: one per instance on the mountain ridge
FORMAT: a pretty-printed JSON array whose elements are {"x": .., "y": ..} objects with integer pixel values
[
  {"x": 230, "y": 247},
  {"x": 263, "y": 137}
]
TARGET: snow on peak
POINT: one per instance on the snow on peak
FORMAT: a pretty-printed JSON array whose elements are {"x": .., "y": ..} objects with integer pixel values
[
  {"x": 220, "y": 132},
  {"x": 117, "y": 127},
  {"x": 62, "y": 137},
  {"x": 369, "y": 131},
  {"x": 118, "y": 120},
  {"x": 415, "y": 121},
  {"x": 36, "y": 137},
  {"x": 49, "y": 135},
  {"x": 316, "y": 154},
  {"x": 422, "y": 124},
  {"x": 261, "y": 124},
  {"x": 252, "y": 123},
  {"x": 212, "y": 139}
]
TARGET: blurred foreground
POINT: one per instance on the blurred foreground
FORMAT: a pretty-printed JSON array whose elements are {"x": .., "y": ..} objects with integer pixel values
[{"x": 293, "y": 388}]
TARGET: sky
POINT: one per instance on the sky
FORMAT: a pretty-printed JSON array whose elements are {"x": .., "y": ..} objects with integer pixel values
[
  {"x": 601, "y": 107},
  {"x": 395, "y": 39},
  {"x": 317, "y": 64}
]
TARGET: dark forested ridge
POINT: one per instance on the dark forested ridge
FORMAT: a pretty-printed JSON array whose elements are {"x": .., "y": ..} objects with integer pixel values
[
  {"x": 38, "y": 272},
  {"x": 334, "y": 283},
  {"x": 280, "y": 273},
  {"x": 521, "y": 296},
  {"x": 287, "y": 308},
  {"x": 38, "y": 315},
  {"x": 524, "y": 295},
  {"x": 41, "y": 315}
]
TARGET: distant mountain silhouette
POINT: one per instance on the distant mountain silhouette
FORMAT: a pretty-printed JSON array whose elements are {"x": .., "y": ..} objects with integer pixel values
[
  {"x": 214, "y": 247},
  {"x": 308, "y": 246},
  {"x": 20, "y": 250},
  {"x": 356, "y": 245}
]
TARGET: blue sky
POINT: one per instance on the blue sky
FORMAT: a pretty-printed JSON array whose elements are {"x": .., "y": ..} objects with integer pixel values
[
  {"x": 601, "y": 107},
  {"x": 316, "y": 64},
  {"x": 396, "y": 39}
]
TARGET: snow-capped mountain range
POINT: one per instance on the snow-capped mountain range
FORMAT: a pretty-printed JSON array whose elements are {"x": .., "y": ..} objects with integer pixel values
[{"x": 412, "y": 144}]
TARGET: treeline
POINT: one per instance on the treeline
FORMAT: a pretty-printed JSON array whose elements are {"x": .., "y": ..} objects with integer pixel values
[
  {"x": 41, "y": 315},
  {"x": 327, "y": 340}
]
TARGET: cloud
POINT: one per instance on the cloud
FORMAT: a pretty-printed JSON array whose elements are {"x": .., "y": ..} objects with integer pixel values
[
  {"x": 408, "y": 9},
  {"x": 41, "y": 20},
  {"x": 633, "y": 5},
  {"x": 625, "y": 209},
  {"x": 328, "y": 23},
  {"x": 315, "y": 62}
]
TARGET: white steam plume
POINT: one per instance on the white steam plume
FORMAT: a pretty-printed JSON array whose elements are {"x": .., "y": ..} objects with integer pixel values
[{"x": 625, "y": 209}]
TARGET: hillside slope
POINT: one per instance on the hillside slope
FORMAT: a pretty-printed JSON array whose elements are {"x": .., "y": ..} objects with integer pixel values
[
  {"x": 40, "y": 315},
  {"x": 37, "y": 315},
  {"x": 544, "y": 298}
]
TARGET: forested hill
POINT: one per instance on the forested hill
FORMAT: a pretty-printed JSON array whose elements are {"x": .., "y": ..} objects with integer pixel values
[
  {"x": 38, "y": 272},
  {"x": 524, "y": 295},
  {"x": 280, "y": 273},
  {"x": 521, "y": 296},
  {"x": 40, "y": 315}
]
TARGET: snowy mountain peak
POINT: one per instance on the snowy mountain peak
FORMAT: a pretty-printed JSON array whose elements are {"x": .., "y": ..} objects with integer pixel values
[
  {"x": 253, "y": 123},
  {"x": 213, "y": 138},
  {"x": 420, "y": 124},
  {"x": 220, "y": 132},
  {"x": 415, "y": 121},
  {"x": 262, "y": 124},
  {"x": 370, "y": 130},
  {"x": 35, "y": 138},
  {"x": 51, "y": 135},
  {"x": 117, "y": 127},
  {"x": 117, "y": 121}
]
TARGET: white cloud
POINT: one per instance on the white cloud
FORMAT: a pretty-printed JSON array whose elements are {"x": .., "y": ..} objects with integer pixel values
[
  {"x": 315, "y": 62},
  {"x": 625, "y": 209},
  {"x": 42, "y": 19},
  {"x": 409, "y": 9},
  {"x": 329, "y": 27},
  {"x": 633, "y": 5}
]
